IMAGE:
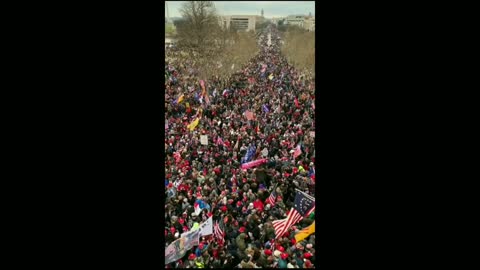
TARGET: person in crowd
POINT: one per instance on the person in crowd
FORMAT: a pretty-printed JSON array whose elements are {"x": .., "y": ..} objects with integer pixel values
[{"x": 264, "y": 111}]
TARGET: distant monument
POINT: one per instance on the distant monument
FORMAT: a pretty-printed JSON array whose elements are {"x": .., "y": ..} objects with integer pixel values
[
  {"x": 168, "y": 21},
  {"x": 168, "y": 15},
  {"x": 262, "y": 12}
]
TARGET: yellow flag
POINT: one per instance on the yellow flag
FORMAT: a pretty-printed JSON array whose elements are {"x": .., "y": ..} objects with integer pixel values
[
  {"x": 305, "y": 232},
  {"x": 180, "y": 99},
  {"x": 194, "y": 124},
  {"x": 195, "y": 226}
]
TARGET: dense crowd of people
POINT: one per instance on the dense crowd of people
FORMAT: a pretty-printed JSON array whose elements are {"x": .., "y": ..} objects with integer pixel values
[{"x": 279, "y": 101}]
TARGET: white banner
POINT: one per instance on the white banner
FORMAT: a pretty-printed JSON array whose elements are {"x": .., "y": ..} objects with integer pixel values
[{"x": 191, "y": 239}]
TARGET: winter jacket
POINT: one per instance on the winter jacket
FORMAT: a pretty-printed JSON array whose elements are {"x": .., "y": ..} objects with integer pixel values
[{"x": 241, "y": 242}]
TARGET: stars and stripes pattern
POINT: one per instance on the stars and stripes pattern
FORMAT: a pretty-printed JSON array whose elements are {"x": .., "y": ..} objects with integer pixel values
[
  {"x": 303, "y": 205},
  {"x": 298, "y": 151},
  {"x": 273, "y": 196},
  {"x": 218, "y": 232}
]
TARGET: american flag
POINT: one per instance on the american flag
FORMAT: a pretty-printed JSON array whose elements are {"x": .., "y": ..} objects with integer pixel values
[
  {"x": 303, "y": 205},
  {"x": 297, "y": 152},
  {"x": 273, "y": 197},
  {"x": 219, "y": 232}
]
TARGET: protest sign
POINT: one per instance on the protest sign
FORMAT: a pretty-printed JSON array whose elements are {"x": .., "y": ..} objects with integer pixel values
[
  {"x": 204, "y": 139},
  {"x": 249, "y": 115},
  {"x": 206, "y": 228}
]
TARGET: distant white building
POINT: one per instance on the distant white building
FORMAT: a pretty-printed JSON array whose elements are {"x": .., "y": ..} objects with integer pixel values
[
  {"x": 310, "y": 24},
  {"x": 298, "y": 20},
  {"x": 241, "y": 22}
]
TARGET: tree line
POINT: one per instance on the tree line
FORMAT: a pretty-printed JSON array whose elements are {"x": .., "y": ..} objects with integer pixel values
[
  {"x": 218, "y": 50},
  {"x": 299, "y": 47}
]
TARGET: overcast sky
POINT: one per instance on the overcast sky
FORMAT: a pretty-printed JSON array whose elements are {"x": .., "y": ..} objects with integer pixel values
[{"x": 270, "y": 8}]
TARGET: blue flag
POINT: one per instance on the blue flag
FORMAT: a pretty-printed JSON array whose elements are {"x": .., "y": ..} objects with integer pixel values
[
  {"x": 265, "y": 108},
  {"x": 249, "y": 154},
  {"x": 303, "y": 203}
]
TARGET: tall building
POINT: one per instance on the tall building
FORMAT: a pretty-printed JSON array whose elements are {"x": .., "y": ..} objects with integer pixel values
[{"x": 262, "y": 12}]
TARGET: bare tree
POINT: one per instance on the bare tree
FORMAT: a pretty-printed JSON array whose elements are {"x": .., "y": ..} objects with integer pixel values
[
  {"x": 214, "y": 49},
  {"x": 201, "y": 22},
  {"x": 299, "y": 48}
]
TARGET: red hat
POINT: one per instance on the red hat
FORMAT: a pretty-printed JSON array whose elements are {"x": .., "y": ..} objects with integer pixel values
[
  {"x": 172, "y": 229},
  {"x": 209, "y": 214},
  {"x": 192, "y": 256},
  {"x": 239, "y": 203},
  {"x": 294, "y": 241},
  {"x": 307, "y": 255},
  {"x": 308, "y": 263},
  {"x": 170, "y": 185},
  {"x": 284, "y": 256},
  {"x": 223, "y": 208},
  {"x": 200, "y": 246},
  {"x": 268, "y": 252},
  {"x": 185, "y": 228},
  {"x": 181, "y": 221},
  {"x": 281, "y": 249},
  {"x": 242, "y": 229}
]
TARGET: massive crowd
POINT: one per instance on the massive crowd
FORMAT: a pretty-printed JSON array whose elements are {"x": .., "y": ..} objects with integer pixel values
[{"x": 280, "y": 103}]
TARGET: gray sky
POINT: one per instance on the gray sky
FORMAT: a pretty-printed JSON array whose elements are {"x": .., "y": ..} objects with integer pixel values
[{"x": 270, "y": 8}]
